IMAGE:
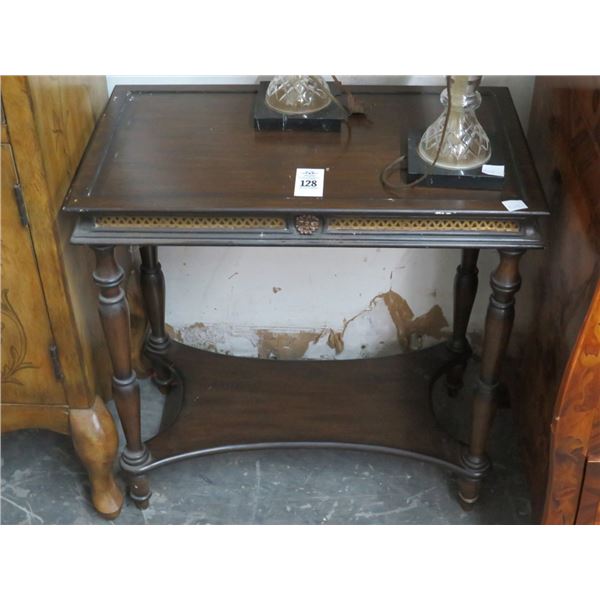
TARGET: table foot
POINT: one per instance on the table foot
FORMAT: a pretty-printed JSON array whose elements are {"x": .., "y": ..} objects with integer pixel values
[
  {"x": 162, "y": 385},
  {"x": 139, "y": 491},
  {"x": 467, "y": 505},
  {"x": 470, "y": 485},
  {"x": 96, "y": 443},
  {"x": 138, "y": 483}
]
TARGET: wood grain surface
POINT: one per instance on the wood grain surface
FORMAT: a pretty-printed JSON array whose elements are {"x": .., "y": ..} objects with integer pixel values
[
  {"x": 574, "y": 482},
  {"x": 27, "y": 372},
  {"x": 49, "y": 298},
  {"x": 218, "y": 401},
  {"x": 46, "y": 150},
  {"x": 189, "y": 149},
  {"x": 558, "y": 284},
  {"x": 51, "y": 120}
]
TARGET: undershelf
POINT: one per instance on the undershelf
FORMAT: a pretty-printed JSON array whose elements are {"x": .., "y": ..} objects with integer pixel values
[{"x": 220, "y": 403}]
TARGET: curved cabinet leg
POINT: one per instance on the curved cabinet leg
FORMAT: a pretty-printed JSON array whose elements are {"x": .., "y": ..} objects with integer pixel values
[
  {"x": 96, "y": 443},
  {"x": 114, "y": 315},
  {"x": 505, "y": 283},
  {"x": 153, "y": 291},
  {"x": 465, "y": 290}
]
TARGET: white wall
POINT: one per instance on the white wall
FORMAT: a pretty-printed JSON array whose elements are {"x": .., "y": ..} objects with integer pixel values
[{"x": 295, "y": 302}]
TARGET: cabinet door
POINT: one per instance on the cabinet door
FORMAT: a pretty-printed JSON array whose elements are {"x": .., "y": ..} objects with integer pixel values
[{"x": 28, "y": 374}]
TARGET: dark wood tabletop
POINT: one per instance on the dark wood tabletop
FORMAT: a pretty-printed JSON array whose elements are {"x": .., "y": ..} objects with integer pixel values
[{"x": 193, "y": 150}]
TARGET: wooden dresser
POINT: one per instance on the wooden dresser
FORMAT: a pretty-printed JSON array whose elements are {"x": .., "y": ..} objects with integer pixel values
[{"x": 54, "y": 365}]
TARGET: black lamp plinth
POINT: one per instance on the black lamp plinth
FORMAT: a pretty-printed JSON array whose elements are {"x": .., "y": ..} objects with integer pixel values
[
  {"x": 440, "y": 177},
  {"x": 266, "y": 119}
]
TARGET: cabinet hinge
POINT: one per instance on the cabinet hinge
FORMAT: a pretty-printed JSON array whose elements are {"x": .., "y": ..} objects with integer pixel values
[
  {"x": 21, "y": 204},
  {"x": 55, "y": 362}
]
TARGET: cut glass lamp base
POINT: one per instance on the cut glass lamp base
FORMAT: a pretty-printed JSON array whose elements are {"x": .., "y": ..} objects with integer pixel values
[
  {"x": 329, "y": 118},
  {"x": 453, "y": 178}
]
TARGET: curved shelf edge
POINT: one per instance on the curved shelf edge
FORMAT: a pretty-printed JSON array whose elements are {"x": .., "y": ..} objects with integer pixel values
[
  {"x": 310, "y": 446},
  {"x": 220, "y": 403}
]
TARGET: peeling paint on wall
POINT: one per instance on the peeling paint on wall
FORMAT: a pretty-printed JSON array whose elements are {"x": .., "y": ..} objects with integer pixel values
[
  {"x": 386, "y": 326},
  {"x": 431, "y": 323},
  {"x": 336, "y": 340},
  {"x": 174, "y": 334},
  {"x": 215, "y": 338},
  {"x": 285, "y": 346}
]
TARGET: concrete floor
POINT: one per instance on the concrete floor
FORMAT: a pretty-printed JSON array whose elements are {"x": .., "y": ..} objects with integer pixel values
[{"x": 44, "y": 483}]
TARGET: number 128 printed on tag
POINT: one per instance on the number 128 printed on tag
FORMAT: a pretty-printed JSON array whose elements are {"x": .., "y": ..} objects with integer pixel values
[{"x": 309, "y": 182}]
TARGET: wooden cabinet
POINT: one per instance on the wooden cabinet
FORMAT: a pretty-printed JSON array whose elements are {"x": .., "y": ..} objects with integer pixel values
[
  {"x": 54, "y": 366},
  {"x": 558, "y": 324},
  {"x": 574, "y": 479},
  {"x": 30, "y": 368}
]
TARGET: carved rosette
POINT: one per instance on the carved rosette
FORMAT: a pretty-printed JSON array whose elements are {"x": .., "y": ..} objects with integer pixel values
[{"x": 307, "y": 224}]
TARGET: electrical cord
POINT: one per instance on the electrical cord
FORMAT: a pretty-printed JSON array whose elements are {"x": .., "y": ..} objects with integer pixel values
[{"x": 391, "y": 167}]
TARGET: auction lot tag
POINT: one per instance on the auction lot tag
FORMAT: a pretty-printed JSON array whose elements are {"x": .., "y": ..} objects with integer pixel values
[
  {"x": 495, "y": 170},
  {"x": 309, "y": 182},
  {"x": 512, "y": 205}
]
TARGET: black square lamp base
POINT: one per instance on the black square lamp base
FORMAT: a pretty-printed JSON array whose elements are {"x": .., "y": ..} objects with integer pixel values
[
  {"x": 450, "y": 178},
  {"x": 267, "y": 119}
]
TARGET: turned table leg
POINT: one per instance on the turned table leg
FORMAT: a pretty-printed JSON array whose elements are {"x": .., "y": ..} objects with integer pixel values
[
  {"x": 114, "y": 315},
  {"x": 153, "y": 291},
  {"x": 465, "y": 290},
  {"x": 96, "y": 442},
  {"x": 505, "y": 283}
]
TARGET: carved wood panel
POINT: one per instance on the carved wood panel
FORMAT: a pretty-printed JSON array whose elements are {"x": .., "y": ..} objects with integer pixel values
[{"x": 27, "y": 370}]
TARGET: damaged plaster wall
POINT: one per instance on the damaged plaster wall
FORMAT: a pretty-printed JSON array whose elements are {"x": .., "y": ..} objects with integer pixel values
[
  {"x": 383, "y": 311},
  {"x": 311, "y": 303}
]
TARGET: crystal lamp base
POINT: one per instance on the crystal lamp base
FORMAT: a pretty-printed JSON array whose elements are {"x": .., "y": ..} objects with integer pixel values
[{"x": 464, "y": 143}]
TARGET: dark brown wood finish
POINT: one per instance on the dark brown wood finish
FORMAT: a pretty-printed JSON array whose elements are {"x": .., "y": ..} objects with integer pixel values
[
  {"x": 505, "y": 282},
  {"x": 182, "y": 152},
  {"x": 465, "y": 290},
  {"x": 193, "y": 149},
  {"x": 379, "y": 403},
  {"x": 153, "y": 290},
  {"x": 183, "y": 165},
  {"x": 114, "y": 315}
]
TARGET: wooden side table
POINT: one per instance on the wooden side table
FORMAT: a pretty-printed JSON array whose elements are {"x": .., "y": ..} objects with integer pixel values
[{"x": 184, "y": 166}]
